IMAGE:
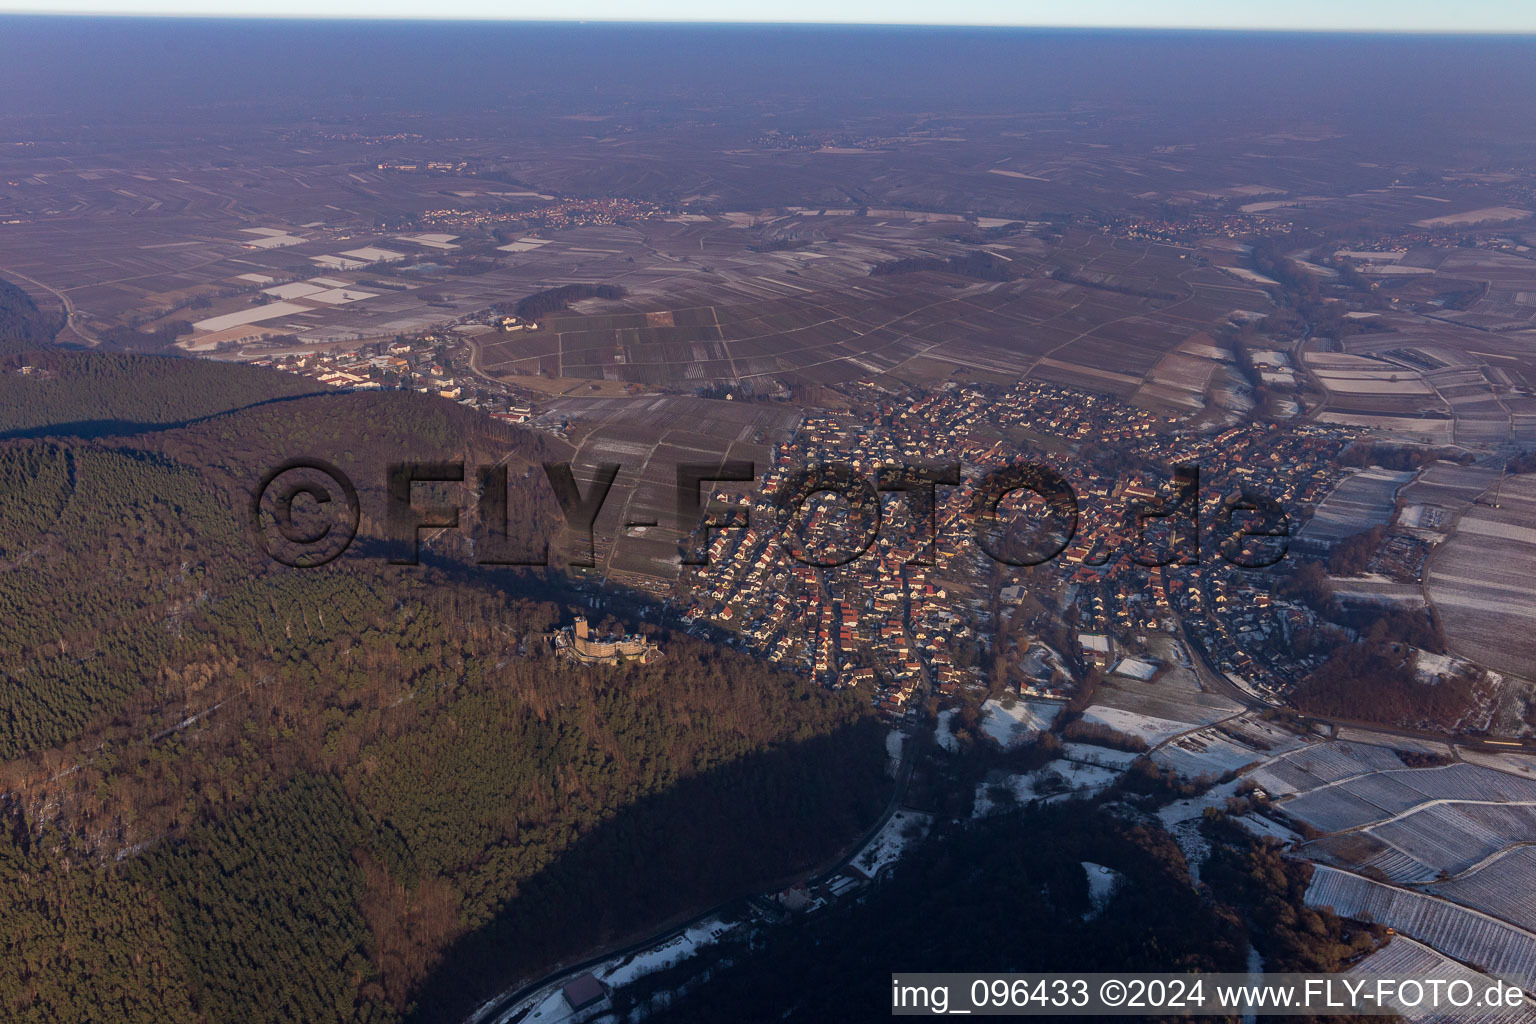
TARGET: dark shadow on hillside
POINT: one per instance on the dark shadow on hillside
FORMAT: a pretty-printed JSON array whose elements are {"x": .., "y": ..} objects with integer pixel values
[
  {"x": 106, "y": 428},
  {"x": 706, "y": 842}
]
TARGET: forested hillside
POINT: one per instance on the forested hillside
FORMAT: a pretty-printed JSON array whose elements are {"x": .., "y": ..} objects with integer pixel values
[
  {"x": 22, "y": 325},
  {"x": 236, "y": 791},
  {"x": 999, "y": 897},
  {"x": 1011, "y": 894},
  {"x": 102, "y": 393}
]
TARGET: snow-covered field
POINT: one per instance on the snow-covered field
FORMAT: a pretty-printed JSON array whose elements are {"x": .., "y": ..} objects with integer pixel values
[
  {"x": 1207, "y": 752},
  {"x": 1153, "y": 730},
  {"x": 1012, "y": 720},
  {"x": 1320, "y": 763},
  {"x": 1504, "y": 885},
  {"x": 1088, "y": 753},
  {"x": 1081, "y": 779},
  {"x": 1428, "y": 665},
  {"x": 552, "y": 1009},
  {"x": 1405, "y": 958},
  {"x": 1518, "y": 764},
  {"x": 1392, "y": 793},
  {"x": 1262, "y": 827},
  {"x": 1466, "y": 935}
]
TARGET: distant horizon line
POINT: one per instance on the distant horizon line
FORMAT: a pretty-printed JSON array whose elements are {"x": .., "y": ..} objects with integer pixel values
[{"x": 467, "y": 19}]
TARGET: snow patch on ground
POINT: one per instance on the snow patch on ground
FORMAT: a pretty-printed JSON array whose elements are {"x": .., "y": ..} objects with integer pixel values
[
  {"x": 1059, "y": 780},
  {"x": 1207, "y": 752},
  {"x": 669, "y": 954},
  {"x": 943, "y": 734},
  {"x": 1153, "y": 730},
  {"x": 1429, "y": 667},
  {"x": 1012, "y": 721},
  {"x": 1082, "y": 779},
  {"x": 1101, "y": 885},
  {"x": 1262, "y": 826},
  {"x": 1517, "y": 764},
  {"x": 1182, "y": 820},
  {"x": 1021, "y": 786},
  {"x": 1193, "y": 845},
  {"x": 1194, "y": 807},
  {"x": 1105, "y": 757},
  {"x": 551, "y": 1010},
  {"x": 886, "y": 847}
]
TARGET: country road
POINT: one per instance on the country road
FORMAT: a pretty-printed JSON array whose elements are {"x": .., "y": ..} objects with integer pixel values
[{"x": 72, "y": 317}]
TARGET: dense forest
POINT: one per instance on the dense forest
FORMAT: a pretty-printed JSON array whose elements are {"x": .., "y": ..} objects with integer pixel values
[
  {"x": 1352, "y": 555},
  {"x": 1010, "y": 894},
  {"x": 1375, "y": 681},
  {"x": 1087, "y": 281},
  {"x": 234, "y": 791},
  {"x": 1525, "y": 462},
  {"x": 557, "y": 300},
  {"x": 92, "y": 395},
  {"x": 1268, "y": 889},
  {"x": 133, "y": 339},
  {"x": 1370, "y": 673},
  {"x": 999, "y": 896},
  {"x": 981, "y": 265},
  {"x": 1397, "y": 457}
]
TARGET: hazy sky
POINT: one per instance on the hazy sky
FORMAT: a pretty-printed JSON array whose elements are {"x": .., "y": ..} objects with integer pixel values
[{"x": 1374, "y": 15}]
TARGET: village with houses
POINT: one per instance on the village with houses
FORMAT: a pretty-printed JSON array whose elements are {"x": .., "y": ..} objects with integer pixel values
[{"x": 892, "y": 625}]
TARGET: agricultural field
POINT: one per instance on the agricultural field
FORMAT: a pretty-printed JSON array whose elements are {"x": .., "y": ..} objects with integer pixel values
[
  {"x": 1442, "y": 853},
  {"x": 1117, "y": 315},
  {"x": 1405, "y": 958},
  {"x": 1469, "y": 936},
  {"x": 1479, "y": 580},
  {"x": 1447, "y": 838},
  {"x": 1355, "y": 382},
  {"x": 767, "y": 293},
  {"x": 1485, "y": 215},
  {"x": 1504, "y": 886},
  {"x": 1438, "y": 494},
  {"x": 1181, "y": 379},
  {"x": 1214, "y": 751},
  {"x": 1321, "y": 764},
  {"x": 1360, "y": 501},
  {"x": 1453, "y": 363},
  {"x": 1415, "y": 825},
  {"x": 648, "y": 437},
  {"x": 1157, "y": 710}
]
